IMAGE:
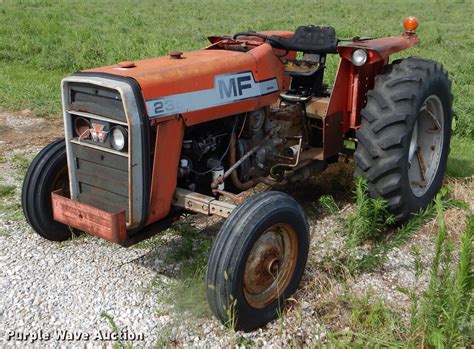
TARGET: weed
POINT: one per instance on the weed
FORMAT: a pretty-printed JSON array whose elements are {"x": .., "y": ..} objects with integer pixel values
[
  {"x": 231, "y": 314},
  {"x": 12, "y": 210},
  {"x": 370, "y": 218},
  {"x": 447, "y": 305},
  {"x": 329, "y": 204},
  {"x": 166, "y": 337},
  {"x": 6, "y": 190},
  {"x": 119, "y": 344},
  {"x": 244, "y": 342},
  {"x": 189, "y": 295},
  {"x": 370, "y": 315},
  {"x": 152, "y": 243},
  {"x": 22, "y": 164},
  {"x": 281, "y": 315},
  {"x": 440, "y": 317},
  {"x": 370, "y": 222},
  {"x": 188, "y": 292},
  {"x": 341, "y": 179},
  {"x": 372, "y": 324},
  {"x": 192, "y": 250}
]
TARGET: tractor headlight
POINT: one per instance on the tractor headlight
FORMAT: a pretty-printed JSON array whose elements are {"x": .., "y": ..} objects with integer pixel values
[
  {"x": 359, "y": 57},
  {"x": 119, "y": 138}
]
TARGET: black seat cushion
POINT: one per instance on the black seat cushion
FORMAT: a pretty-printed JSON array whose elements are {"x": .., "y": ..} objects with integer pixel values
[{"x": 308, "y": 39}]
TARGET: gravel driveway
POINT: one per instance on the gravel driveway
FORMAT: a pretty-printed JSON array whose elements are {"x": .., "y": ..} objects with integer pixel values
[{"x": 61, "y": 288}]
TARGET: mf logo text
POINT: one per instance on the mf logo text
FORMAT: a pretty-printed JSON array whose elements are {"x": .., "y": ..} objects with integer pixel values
[{"x": 234, "y": 86}]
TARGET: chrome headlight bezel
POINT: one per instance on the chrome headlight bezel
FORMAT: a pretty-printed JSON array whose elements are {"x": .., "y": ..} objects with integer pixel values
[
  {"x": 117, "y": 143},
  {"x": 359, "y": 57}
]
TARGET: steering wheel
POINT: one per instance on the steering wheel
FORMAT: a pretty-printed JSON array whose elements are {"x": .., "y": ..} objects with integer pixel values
[
  {"x": 272, "y": 42},
  {"x": 258, "y": 35}
]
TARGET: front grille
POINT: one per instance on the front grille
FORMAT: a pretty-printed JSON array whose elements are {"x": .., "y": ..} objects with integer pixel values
[
  {"x": 97, "y": 100},
  {"x": 102, "y": 178},
  {"x": 101, "y": 173}
]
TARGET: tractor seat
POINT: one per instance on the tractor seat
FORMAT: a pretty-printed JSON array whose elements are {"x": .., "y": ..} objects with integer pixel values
[{"x": 308, "y": 39}]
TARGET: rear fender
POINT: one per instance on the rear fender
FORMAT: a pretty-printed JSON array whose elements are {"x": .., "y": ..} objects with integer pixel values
[
  {"x": 381, "y": 48},
  {"x": 349, "y": 94}
]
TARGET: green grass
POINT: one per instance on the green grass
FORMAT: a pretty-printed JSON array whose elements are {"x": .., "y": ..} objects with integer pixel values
[
  {"x": 6, "y": 190},
  {"x": 461, "y": 160},
  {"x": 43, "y": 41},
  {"x": 10, "y": 208},
  {"x": 190, "y": 251},
  {"x": 22, "y": 164}
]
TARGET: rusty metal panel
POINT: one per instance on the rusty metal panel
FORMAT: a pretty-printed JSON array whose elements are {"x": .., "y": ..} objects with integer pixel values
[
  {"x": 332, "y": 135},
  {"x": 192, "y": 201},
  {"x": 338, "y": 102},
  {"x": 106, "y": 225},
  {"x": 317, "y": 107},
  {"x": 221, "y": 208},
  {"x": 168, "y": 142},
  {"x": 200, "y": 203}
]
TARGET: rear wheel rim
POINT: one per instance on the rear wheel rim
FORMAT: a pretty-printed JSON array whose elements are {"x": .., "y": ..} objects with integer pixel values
[
  {"x": 426, "y": 145},
  {"x": 270, "y": 265}
]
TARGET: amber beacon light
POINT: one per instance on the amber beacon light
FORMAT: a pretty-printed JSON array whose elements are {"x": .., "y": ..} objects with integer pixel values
[{"x": 410, "y": 23}]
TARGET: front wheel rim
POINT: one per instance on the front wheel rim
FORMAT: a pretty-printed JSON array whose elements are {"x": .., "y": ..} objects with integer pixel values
[
  {"x": 61, "y": 181},
  {"x": 270, "y": 265},
  {"x": 426, "y": 145}
]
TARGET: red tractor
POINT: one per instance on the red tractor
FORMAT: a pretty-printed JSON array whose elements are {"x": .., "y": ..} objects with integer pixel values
[{"x": 146, "y": 141}]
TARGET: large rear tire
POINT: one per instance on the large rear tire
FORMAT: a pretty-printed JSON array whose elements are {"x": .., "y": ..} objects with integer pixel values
[
  {"x": 403, "y": 141},
  {"x": 47, "y": 173},
  {"x": 257, "y": 260}
]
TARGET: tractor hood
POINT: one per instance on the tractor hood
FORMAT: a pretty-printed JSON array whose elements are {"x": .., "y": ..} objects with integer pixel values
[{"x": 197, "y": 80}]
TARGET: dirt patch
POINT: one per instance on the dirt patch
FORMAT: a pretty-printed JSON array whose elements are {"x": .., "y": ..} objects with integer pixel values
[{"x": 22, "y": 129}]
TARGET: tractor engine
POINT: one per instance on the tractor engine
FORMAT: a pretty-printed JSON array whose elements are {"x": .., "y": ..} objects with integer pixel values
[{"x": 256, "y": 144}]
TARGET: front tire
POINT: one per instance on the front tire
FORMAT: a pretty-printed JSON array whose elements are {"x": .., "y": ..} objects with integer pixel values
[
  {"x": 47, "y": 173},
  {"x": 257, "y": 260},
  {"x": 403, "y": 141}
]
